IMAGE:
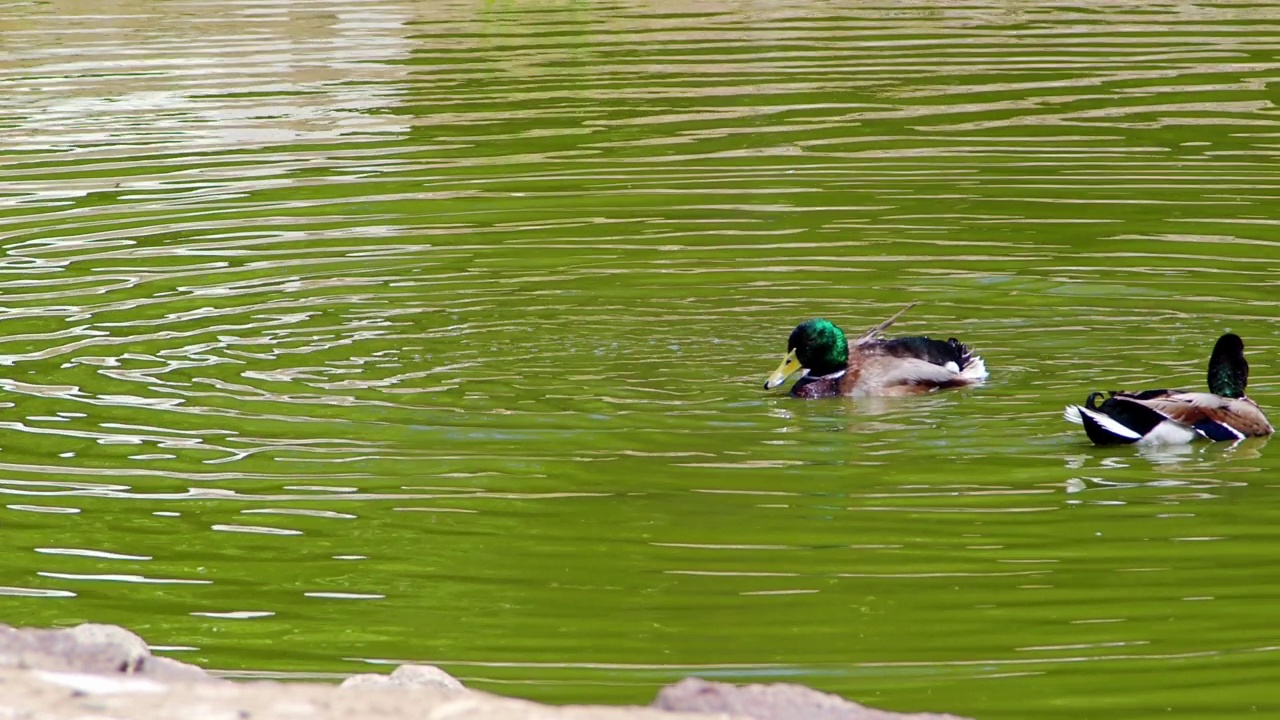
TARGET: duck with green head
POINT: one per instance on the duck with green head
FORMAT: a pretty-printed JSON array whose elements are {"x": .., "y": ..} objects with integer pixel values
[
  {"x": 1150, "y": 417},
  {"x": 830, "y": 365}
]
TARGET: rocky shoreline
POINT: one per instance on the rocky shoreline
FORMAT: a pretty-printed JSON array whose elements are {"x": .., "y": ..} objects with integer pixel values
[{"x": 105, "y": 672}]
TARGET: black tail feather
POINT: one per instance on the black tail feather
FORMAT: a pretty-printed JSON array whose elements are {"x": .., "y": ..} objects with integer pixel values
[{"x": 1138, "y": 418}]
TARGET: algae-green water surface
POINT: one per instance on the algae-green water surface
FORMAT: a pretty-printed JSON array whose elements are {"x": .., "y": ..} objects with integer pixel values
[{"x": 334, "y": 335}]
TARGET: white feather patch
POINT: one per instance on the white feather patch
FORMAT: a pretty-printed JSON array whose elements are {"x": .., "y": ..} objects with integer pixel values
[
  {"x": 1111, "y": 426},
  {"x": 976, "y": 370},
  {"x": 1169, "y": 433},
  {"x": 1072, "y": 415}
]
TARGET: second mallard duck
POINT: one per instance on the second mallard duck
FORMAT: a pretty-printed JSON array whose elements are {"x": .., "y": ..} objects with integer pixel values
[
  {"x": 1176, "y": 416},
  {"x": 831, "y": 366}
]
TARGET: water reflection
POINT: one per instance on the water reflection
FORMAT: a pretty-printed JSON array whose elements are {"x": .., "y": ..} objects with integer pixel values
[{"x": 1190, "y": 457}]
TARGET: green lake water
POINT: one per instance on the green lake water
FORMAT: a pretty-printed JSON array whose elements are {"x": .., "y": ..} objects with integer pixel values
[{"x": 339, "y": 335}]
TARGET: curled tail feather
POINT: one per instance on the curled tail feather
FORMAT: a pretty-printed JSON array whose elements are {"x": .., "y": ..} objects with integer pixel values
[{"x": 874, "y": 332}]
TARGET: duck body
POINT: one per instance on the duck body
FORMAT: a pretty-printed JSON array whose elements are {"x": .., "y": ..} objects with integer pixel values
[
  {"x": 871, "y": 365},
  {"x": 1153, "y": 417}
]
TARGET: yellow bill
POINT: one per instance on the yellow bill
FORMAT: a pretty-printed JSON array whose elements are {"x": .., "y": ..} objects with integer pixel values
[{"x": 789, "y": 365}]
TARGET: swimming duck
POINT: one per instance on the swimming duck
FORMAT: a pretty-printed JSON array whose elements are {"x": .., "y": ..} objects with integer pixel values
[
  {"x": 830, "y": 366},
  {"x": 1176, "y": 416}
]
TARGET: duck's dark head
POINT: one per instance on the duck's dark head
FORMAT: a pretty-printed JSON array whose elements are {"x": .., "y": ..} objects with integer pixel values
[
  {"x": 817, "y": 347},
  {"x": 1228, "y": 370}
]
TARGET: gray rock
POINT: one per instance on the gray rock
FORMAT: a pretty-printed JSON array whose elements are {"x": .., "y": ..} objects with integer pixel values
[
  {"x": 772, "y": 702},
  {"x": 407, "y": 676},
  {"x": 131, "y": 650},
  {"x": 425, "y": 675},
  {"x": 97, "y": 671},
  {"x": 90, "y": 648},
  {"x": 25, "y": 695},
  {"x": 366, "y": 680},
  {"x": 92, "y": 684}
]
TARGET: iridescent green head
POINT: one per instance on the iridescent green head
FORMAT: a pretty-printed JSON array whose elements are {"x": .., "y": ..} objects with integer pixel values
[
  {"x": 1228, "y": 370},
  {"x": 816, "y": 347}
]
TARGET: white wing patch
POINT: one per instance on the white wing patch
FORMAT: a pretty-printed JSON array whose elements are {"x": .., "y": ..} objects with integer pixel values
[{"x": 1111, "y": 426}]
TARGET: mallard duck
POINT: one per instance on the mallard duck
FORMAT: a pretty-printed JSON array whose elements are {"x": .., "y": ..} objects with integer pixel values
[
  {"x": 872, "y": 365},
  {"x": 1176, "y": 416}
]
